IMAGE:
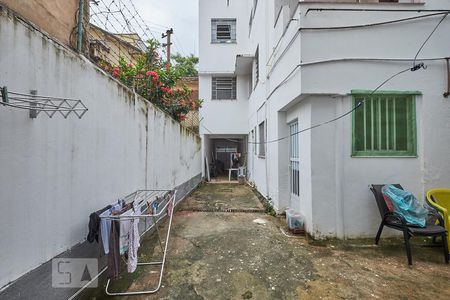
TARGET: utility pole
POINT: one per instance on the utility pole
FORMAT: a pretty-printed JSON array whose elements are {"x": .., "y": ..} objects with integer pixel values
[
  {"x": 80, "y": 26},
  {"x": 168, "y": 34}
]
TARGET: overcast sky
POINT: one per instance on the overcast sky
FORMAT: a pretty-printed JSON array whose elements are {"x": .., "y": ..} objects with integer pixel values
[{"x": 181, "y": 15}]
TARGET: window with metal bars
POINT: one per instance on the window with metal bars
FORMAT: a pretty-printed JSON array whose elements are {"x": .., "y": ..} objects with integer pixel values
[
  {"x": 257, "y": 65},
  {"x": 223, "y": 88},
  {"x": 262, "y": 140},
  {"x": 385, "y": 124},
  {"x": 254, "y": 142},
  {"x": 223, "y": 30},
  {"x": 294, "y": 161}
]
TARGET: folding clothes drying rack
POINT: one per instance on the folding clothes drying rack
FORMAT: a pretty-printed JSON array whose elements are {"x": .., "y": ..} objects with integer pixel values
[{"x": 149, "y": 196}]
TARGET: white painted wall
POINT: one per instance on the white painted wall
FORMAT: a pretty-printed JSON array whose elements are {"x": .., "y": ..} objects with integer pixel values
[
  {"x": 335, "y": 198},
  {"x": 222, "y": 116},
  {"x": 55, "y": 172},
  {"x": 342, "y": 203},
  {"x": 216, "y": 58}
]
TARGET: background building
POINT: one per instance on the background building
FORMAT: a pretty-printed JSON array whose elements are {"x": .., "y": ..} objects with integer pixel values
[
  {"x": 55, "y": 17},
  {"x": 106, "y": 47}
]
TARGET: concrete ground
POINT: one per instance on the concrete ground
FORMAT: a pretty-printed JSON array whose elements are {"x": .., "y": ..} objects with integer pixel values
[{"x": 223, "y": 255}]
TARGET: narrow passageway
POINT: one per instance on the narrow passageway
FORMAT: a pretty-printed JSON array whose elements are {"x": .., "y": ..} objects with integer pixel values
[{"x": 227, "y": 255}]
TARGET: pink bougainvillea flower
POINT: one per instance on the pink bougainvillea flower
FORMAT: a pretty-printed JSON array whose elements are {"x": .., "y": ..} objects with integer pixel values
[
  {"x": 116, "y": 72},
  {"x": 153, "y": 74},
  {"x": 165, "y": 89}
]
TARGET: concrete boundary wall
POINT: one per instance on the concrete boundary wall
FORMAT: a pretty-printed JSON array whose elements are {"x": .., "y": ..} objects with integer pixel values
[
  {"x": 37, "y": 284},
  {"x": 55, "y": 172}
]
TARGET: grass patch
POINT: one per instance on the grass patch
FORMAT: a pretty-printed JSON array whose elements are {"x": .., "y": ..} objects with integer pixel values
[{"x": 266, "y": 202}]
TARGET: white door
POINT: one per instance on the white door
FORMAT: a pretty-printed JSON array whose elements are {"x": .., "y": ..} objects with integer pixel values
[{"x": 294, "y": 163}]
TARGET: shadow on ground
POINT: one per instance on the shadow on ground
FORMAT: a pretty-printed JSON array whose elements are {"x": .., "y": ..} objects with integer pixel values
[{"x": 228, "y": 256}]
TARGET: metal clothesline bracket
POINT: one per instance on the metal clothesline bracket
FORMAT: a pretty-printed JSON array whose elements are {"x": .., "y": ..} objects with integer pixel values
[{"x": 36, "y": 104}]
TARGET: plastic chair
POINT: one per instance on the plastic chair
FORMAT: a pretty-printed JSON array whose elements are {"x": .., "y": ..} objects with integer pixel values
[
  {"x": 440, "y": 200},
  {"x": 396, "y": 221}
]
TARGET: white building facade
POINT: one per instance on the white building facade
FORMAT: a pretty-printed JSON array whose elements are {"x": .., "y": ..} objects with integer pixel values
[{"x": 269, "y": 69}]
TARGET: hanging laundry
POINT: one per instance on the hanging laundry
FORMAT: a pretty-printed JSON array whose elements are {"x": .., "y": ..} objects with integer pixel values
[
  {"x": 105, "y": 225},
  {"x": 94, "y": 224},
  {"x": 134, "y": 244},
  {"x": 125, "y": 226},
  {"x": 113, "y": 253},
  {"x": 114, "y": 243}
]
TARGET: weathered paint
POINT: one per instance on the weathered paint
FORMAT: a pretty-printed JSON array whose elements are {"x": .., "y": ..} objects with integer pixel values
[
  {"x": 53, "y": 16},
  {"x": 55, "y": 172}
]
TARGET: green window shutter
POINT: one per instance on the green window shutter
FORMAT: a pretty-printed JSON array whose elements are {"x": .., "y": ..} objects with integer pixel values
[{"x": 385, "y": 125}]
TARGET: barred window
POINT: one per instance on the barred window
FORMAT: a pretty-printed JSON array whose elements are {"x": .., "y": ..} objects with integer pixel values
[
  {"x": 257, "y": 65},
  {"x": 223, "y": 88},
  {"x": 254, "y": 142},
  {"x": 223, "y": 30},
  {"x": 262, "y": 139},
  {"x": 385, "y": 124}
]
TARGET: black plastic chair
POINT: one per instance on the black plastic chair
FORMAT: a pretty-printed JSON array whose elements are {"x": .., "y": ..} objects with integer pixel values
[{"x": 398, "y": 222}]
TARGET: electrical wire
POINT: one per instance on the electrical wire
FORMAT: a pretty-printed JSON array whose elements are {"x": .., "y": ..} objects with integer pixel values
[
  {"x": 428, "y": 38},
  {"x": 374, "y": 24},
  {"x": 332, "y": 120},
  {"x": 373, "y": 10},
  {"x": 286, "y": 79},
  {"x": 179, "y": 46}
]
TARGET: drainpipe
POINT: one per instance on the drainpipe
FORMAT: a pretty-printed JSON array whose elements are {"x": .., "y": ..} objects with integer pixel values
[
  {"x": 80, "y": 26},
  {"x": 447, "y": 93}
]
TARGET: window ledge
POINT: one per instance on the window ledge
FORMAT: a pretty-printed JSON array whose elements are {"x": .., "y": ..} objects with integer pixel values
[
  {"x": 384, "y": 156},
  {"x": 223, "y": 99},
  {"x": 262, "y": 157},
  {"x": 224, "y": 43},
  {"x": 385, "y": 92}
]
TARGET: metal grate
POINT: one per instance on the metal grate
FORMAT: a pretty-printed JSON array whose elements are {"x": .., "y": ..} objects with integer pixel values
[
  {"x": 223, "y": 30},
  {"x": 294, "y": 164},
  {"x": 223, "y": 88},
  {"x": 385, "y": 124},
  {"x": 262, "y": 139}
]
